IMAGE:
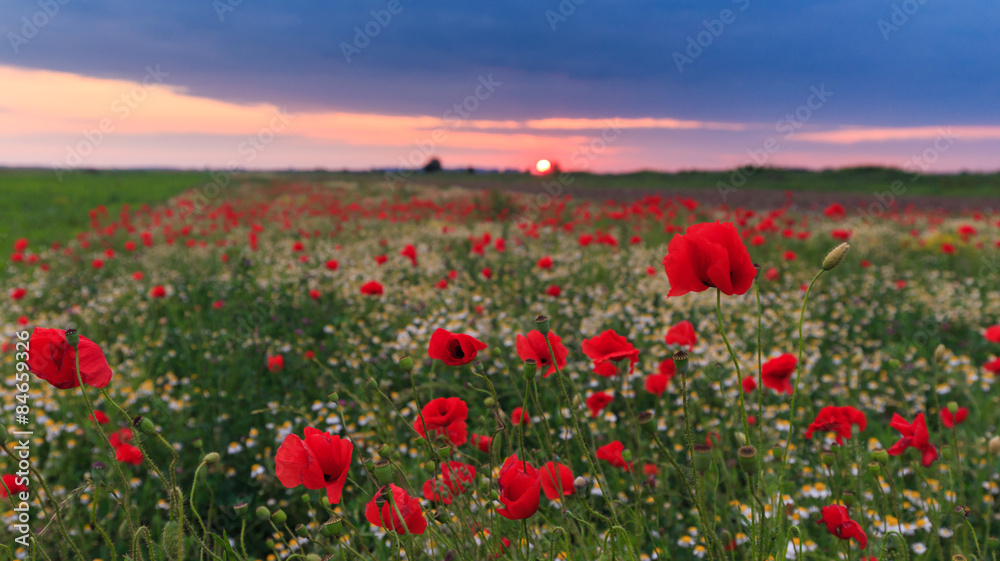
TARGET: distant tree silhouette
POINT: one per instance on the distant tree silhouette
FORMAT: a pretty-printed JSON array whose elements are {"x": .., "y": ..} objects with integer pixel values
[{"x": 433, "y": 166}]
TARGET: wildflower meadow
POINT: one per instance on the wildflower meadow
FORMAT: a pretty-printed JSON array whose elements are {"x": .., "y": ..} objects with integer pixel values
[{"x": 302, "y": 370}]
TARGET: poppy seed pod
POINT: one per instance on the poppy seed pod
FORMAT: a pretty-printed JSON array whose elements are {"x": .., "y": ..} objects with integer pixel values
[
  {"x": 479, "y": 368},
  {"x": 627, "y": 455},
  {"x": 827, "y": 458},
  {"x": 952, "y": 407},
  {"x": 334, "y": 397},
  {"x": 383, "y": 471},
  {"x": 681, "y": 362},
  {"x": 279, "y": 517},
  {"x": 848, "y": 498},
  {"x": 836, "y": 256},
  {"x": 881, "y": 456},
  {"x": 495, "y": 352},
  {"x": 73, "y": 338},
  {"x": 241, "y": 508},
  {"x": 645, "y": 420},
  {"x": 542, "y": 323},
  {"x": 489, "y": 402},
  {"x": 958, "y": 557},
  {"x": 748, "y": 459},
  {"x": 530, "y": 369},
  {"x": 406, "y": 363},
  {"x": 263, "y": 513},
  {"x": 580, "y": 484},
  {"x": 301, "y": 530},
  {"x": 874, "y": 468},
  {"x": 702, "y": 457},
  {"x": 947, "y": 452},
  {"x": 332, "y": 527}
]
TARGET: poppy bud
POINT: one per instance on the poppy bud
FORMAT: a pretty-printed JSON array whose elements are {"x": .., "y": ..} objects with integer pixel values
[
  {"x": 494, "y": 495},
  {"x": 702, "y": 457},
  {"x": 73, "y": 338},
  {"x": 748, "y": 459},
  {"x": 994, "y": 446},
  {"x": 263, "y": 513},
  {"x": 406, "y": 363},
  {"x": 577, "y": 401},
  {"x": 627, "y": 455},
  {"x": 827, "y": 458},
  {"x": 940, "y": 354},
  {"x": 306, "y": 498},
  {"x": 952, "y": 407},
  {"x": 542, "y": 323},
  {"x": 147, "y": 426},
  {"x": 947, "y": 452},
  {"x": 496, "y": 448},
  {"x": 874, "y": 468},
  {"x": 894, "y": 363},
  {"x": 495, "y": 352},
  {"x": 301, "y": 530},
  {"x": 645, "y": 420},
  {"x": 383, "y": 472},
  {"x": 334, "y": 396},
  {"x": 241, "y": 509},
  {"x": 681, "y": 362},
  {"x": 489, "y": 402},
  {"x": 530, "y": 368},
  {"x": 741, "y": 439},
  {"x": 880, "y": 456},
  {"x": 269, "y": 543},
  {"x": 836, "y": 256},
  {"x": 313, "y": 557},
  {"x": 172, "y": 539},
  {"x": 372, "y": 383},
  {"x": 198, "y": 444},
  {"x": 848, "y": 498},
  {"x": 279, "y": 517},
  {"x": 332, "y": 527}
]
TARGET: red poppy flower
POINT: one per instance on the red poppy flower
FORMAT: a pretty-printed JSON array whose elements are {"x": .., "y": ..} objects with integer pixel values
[
  {"x": 777, "y": 373},
  {"x": 138, "y": 276},
  {"x": 650, "y": 470},
  {"x": 749, "y": 384},
  {"x": 371, "y": 288},
  {"x": 656, "y": 384},
  {"x": 772, "y": 274},
  {"x": 841, "y": 234},
  {"x": 441, "y": 284},
  {"x": 534, "y": 347},
  {"x": 128, "y": 454},
  {"x": 682, "y": 334},
  {"x": 444, "y": 416},
  {"x": 606, "y": 369},
  {"x": 487, "y": 273},
  {"x": 158, "y": 291},
  {"x": 518, "y": 415},
  {"x": 790, "y": 256},
  {"x": 709, "y": 255},
  {"x": 401, "y": 513},
  {"x": 992, "y": 334},
  {"x": 865, "y": 263},
  {"x": 612, "y": 453},
  {"x": 598, "y": 401},
  {"x": 610, "y": 346},
  {"x": 410, "y": 252},
  {"x": 320, "y": 460},
  {"x": 454, "y": 349},
  {"x": 553, "y": 290},
  {"x": 10, "y": 481},
  {"x": 557, "y": 481},
  {"x": 100, "y": 417},
  {"x": 520, "y": 489},
  {"x": 314, "y": 294},
  {"x": 380, "y": 259},
  {"x": 993, "y": 366},
  {"x": 97, "y": 263},
  {"x": 120, "y": 437},
  {"x": 52, "y": 359},
  {"x": 947, "y": 249},
  {"x": 838, "y": 420},
  {"x": 18, "y": 293},
  {"x": 835, "y": 211},
  {"x": 332, "y": 264},
  {"x": 20, "y": 244},
  {"x": 840, "y": 524},
  {"x": 482, "y": 442},
  {"x": 545, "y": 262},
  {"x": 275, "y": 363},
  {"x": 950, "y": 421},
  {"x": 913, "y": 435},
  {"x": 455, "y": 478}
]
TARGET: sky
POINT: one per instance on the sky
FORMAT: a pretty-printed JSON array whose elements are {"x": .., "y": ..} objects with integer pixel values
[{"x": 594, "y": 85}]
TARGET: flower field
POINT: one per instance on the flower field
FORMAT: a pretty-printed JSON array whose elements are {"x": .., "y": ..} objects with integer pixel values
[{"x": 323, "y": 371}]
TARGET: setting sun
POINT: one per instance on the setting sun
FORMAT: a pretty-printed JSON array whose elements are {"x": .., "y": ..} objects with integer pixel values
[{"x": 543, "y": 166}]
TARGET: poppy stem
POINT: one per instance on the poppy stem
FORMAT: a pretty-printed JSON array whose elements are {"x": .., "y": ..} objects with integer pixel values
[{"x": 736, "y": 362}]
